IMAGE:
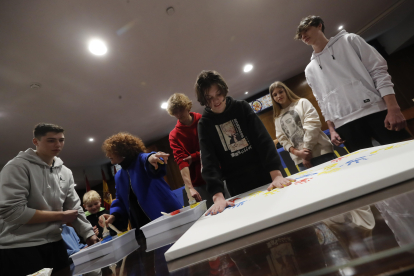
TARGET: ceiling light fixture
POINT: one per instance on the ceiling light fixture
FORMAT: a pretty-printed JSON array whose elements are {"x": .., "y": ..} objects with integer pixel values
[
  {"x": 35, "y": 85},
  {"x": 248, "y": 68},
  {"x": 164, "y": 105},
  {"x": 97, "y": 47},
  {"x": 91, "y": 139},
  {"x": 170, "y": 10},
  {"x": 340, "y": 27},
  {"x": 247, "y": 92}
]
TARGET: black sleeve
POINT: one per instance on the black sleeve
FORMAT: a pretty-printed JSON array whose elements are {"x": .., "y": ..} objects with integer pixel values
[
  {"x": 261, "y": 140},
  {"x": 210, "y": 165}
]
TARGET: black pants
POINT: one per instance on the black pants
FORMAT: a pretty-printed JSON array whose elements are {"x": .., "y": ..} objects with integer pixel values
[
  {"x": 247, "y": 180},
  {"x": 28, "y": 260},
  {"x": 358, "y": 134}
]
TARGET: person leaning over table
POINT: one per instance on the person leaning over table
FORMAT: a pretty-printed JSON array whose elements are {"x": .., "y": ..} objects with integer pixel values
[{"x": 141, "y": 191}]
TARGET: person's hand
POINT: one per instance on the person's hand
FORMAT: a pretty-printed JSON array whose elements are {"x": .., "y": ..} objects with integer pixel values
[
  {"x": 305, "y": 154},
  {"x": 92, "y": 240},
  {"x": 69, "y": 215},
  {"x": 336, "y": 139},
  {"x": 279, "y": 182},
  {"x": 96, "y": 230},
  {"x": 195, "y": 194},
  {"x": 219, "y": 205},
  {"x": 154, "y": 159},
  {"x": 109, "y": 219},
  {"x": 307, "y": 163},
  {"x": 188, "y": 159},
  {"x": 395, "y": 120}
]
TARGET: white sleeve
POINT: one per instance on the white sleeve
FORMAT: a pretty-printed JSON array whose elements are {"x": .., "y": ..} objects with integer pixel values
[
  {"x": 374, "y": 63},
  {"x": 311, "y": 124}
]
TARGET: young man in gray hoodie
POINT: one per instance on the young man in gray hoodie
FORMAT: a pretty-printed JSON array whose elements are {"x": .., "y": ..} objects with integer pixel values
[
  {"x": 37, "y": 196},
  {"x": 350, "y": 81}
]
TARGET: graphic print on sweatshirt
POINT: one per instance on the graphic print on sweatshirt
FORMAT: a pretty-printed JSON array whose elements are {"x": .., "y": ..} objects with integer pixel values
[
  {"x": 231, "y": 136},
  {"x": 292, "y": 127}
]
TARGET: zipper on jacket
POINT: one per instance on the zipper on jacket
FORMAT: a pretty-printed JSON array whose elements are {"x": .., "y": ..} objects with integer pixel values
[{"x": 129, "y": 177}]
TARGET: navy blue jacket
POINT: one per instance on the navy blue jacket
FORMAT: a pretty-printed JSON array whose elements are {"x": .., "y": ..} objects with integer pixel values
[{"x": 153, "y": 193}]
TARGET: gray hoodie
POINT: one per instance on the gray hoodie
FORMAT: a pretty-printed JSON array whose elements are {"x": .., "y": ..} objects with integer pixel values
[{"x": 28, "y": 184}]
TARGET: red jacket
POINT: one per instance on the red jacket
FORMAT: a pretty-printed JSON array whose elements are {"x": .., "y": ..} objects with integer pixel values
[{"x": 184, "y": 142}]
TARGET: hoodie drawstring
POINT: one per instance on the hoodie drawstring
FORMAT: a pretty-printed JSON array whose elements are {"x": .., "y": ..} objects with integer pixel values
[{"x": 331, "y": 50}]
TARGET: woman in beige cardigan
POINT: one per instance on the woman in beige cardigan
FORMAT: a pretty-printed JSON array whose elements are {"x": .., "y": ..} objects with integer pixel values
[{"x": 298, "y": 128}]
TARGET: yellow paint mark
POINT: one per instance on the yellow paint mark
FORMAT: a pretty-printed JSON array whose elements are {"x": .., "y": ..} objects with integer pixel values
[
  {"x": 331, "y": 171},
  {"x": 272, "y": 192},
  {"x": 255, "y": 194},
  {"x": 327, "y": 168}
]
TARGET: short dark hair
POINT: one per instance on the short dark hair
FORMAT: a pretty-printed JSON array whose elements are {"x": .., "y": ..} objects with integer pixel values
[
  {"x": 205, "y": 80},
  {"x": 41, "y": 129},
  {"x": 308, "y": 21}
]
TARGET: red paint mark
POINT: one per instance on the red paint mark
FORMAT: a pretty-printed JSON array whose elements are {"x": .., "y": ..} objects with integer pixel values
[
  {"x": 175, "y": 212},
  {"x": 233, "y": 200},
  {"x": 337, "y": 160},
  {"x": 303, "y": 181}
]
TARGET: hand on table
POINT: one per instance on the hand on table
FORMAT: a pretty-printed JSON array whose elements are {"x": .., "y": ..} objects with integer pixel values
[
  {"x": 92, "y": 240},
  {"x": 395, "y": 120},
  {"x": 188, "y": 159},
  {"x": 154, "y": 159},
  {"x": 219, "y": 206},
  {"x": 305, "y": 154},
  {"x": 109, "y": 219},
  {"x": 279, "y": 182},
  {"x": 336, "y": 139},
  {"x": 195, "y": 194},
  {"x": 307, "y": 163},
  {"x": 69, "y": 215}
]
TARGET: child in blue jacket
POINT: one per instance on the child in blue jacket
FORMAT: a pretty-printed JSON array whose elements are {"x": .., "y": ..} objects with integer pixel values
[{"x": 141, "y": 192}]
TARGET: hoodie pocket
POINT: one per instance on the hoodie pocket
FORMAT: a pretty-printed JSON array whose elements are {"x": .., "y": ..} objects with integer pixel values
[{"x": 347, "y": 99}]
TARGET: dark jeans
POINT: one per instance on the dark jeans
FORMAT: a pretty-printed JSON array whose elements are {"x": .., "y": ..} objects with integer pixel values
[
  {"x": 318, "y": 160},
  {"x": 358, "y": 134},
  {"x": 28, "y": 260}
]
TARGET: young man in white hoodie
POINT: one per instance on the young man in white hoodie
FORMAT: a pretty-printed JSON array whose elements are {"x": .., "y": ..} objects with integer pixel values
[
  {"x": 37, "y": 196},
  {"x": 350, "y": 81}
]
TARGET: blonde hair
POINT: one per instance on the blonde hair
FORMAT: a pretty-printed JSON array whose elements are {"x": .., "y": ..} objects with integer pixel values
[
  {"x": 178, "y": 102},
  {"x": 91, "y": 196},
  {"x": 289, "y": 93}
]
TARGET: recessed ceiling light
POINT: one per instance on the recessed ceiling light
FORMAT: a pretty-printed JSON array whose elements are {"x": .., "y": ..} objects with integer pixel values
[
  {"x": 248, "y": 68},
  {"x": 164, "y": 105},
  {"x": 247, "y": 92},
  {"x": 340, "y": 27},
  {"x": 74, "y": 185},
  {"x": 91, "y": 139},
  {"x": 35, "y": 85},
  {"x": 97, "y": 47}
]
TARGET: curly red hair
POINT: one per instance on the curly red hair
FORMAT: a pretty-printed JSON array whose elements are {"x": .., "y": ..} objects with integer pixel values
[{"x": 123, "y": 144}]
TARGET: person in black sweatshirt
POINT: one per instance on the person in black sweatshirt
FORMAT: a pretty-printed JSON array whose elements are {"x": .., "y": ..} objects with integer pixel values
[{"x": 234, "y": 144}]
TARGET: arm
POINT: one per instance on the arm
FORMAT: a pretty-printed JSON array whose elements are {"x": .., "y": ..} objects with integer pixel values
[
  {"x": 335, "y": 138},
  {"x": 311, "y": 125},
  {"x": 185, "y": 174},
  {"x": 81, "y": 224},
  {"x": 374, "y": 63},
  {"x": 395, "y": 119},
  {"x": 210, "y": 169}
]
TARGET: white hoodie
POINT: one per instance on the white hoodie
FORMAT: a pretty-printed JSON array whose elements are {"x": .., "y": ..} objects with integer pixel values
[
  {"x": 299, "y": 126},
  {"x": 348, "y": 78},
  {"x": 28, "y": 184}
]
